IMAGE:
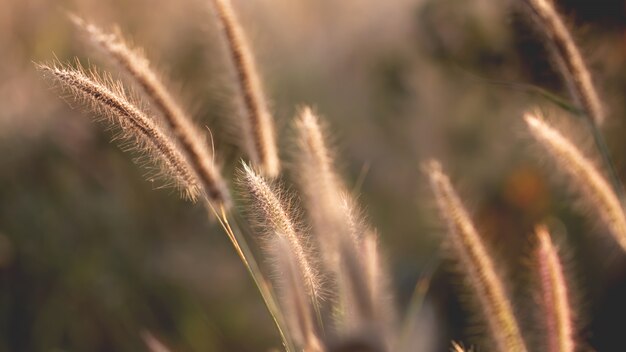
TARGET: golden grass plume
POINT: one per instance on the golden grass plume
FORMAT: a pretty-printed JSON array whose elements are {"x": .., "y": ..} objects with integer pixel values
[
  {"x": 257, "y": 124},
  {"x": 568, "y": 58},
  {"x": 476, "y": 263},
  {"x": 347, "y": 245},
  {"x": 554, "y": 295},
  {"x": 108, "y": 98},
  {"x": 592, "y": 185},
  {"x": 276, "y": 220},
  {"x": 192, "y": 143}
]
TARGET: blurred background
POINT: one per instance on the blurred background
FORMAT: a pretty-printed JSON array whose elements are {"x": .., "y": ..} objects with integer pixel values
[{"x": 92, "y": 254}]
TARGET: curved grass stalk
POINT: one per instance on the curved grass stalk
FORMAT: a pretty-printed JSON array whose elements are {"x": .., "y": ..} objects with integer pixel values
[{"x": 245, "y": 254}]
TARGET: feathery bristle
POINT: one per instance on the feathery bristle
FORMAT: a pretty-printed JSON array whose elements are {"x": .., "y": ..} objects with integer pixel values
[
  {"x": 276, "y": 220},
  {"x": 588, "y": 180},
  {"x": 294, "y": 296},
  {"x": 477, "y": 264},
  {"x": 258, "y": 124},
  {"x": 568, "y": 57},
  {"x": 191, "y": 141},
  {"x": 554, "y": 296},
  {"x": 109, "y": 98}
]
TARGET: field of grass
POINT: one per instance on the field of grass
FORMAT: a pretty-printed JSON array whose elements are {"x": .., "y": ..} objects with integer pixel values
[{"x": 216, "y": 175}]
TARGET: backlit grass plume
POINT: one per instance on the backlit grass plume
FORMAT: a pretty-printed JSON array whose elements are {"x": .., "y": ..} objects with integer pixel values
[
  {"x": 320, "y": 187},
  {"x": 476, "y": 263},
  {"x": 257, "y": 124},
  {"x": 275, "y": 219},
  {"x": 589, "y": 182},
  {"x": 554, "y": 296},
  {"x": 348, "y": 246},
  {"x": 137, "y": 67},
  {"x": 109, "y": 99},
  {"x": 568, "y": 58}
]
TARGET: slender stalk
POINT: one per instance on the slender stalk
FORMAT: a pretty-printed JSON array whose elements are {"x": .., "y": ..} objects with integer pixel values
[
  {"x": 416, "y": 303},
  {"x": 245, "y": 254}
]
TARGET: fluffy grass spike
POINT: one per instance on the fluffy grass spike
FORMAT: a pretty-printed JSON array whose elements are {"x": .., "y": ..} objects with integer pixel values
[
  {"x": 258, "y": 123},
  {"x": 568, "y": 58},
  {"x": 192, "y": 142},
  {"x": 339, "y": 233},
  {"x": 554, "y": 296},
  {"x": 477, "y": 264},
  {"x": 295, "y": 300},
  {"x": 275, "y": 219},
  {"x": 108, "y": 98},
  {"x": 321, "y": 188},
  {"x": 588, "y": 180}
]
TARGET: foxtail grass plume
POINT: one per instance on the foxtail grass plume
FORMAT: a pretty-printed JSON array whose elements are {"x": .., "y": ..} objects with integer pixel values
[
  {"x": 258, "y": 124},
  {"x": 321, "y": 188},
  {"x": 294, "y": 298},
  {"x": 476, "y": 263},
  {"x": 554, "y": 296},
  {"x": 137, "y": 67},
  {"x": 350, "y": 257},
  {"x": 276, "y": 220},
  {"x": 568, "y": 57},
  {"x": 594, "y": 188},
  {"x": 109, "y": 98},
  {"x": 363, "y": 277}
]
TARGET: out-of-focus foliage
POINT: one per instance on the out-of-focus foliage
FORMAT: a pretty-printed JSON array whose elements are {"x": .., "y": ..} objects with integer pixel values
[{"x": 91, "y": 254}]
